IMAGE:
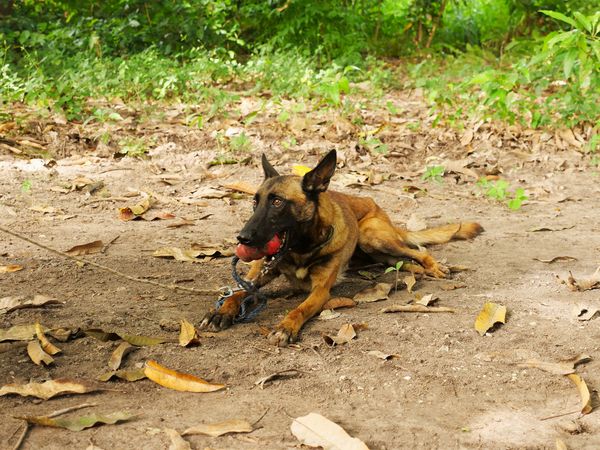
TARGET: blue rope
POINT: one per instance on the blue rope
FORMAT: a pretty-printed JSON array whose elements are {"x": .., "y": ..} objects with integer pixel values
[{"x": 247, "y": 312}]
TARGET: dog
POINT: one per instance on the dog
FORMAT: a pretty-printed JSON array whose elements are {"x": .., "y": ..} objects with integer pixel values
[{"x": 307, "y": 233}]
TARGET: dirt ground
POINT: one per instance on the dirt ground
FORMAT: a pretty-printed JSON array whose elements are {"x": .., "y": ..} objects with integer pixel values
[{"x": 448, "y": 388}]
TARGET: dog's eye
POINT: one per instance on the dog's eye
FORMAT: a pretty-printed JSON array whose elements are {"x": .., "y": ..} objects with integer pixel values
[{"x": 277, "y": 202}]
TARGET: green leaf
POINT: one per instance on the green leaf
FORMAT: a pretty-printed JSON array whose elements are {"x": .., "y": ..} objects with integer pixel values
[
  {"x": 569, "y": 62},
  {"x": 584, "y": 21},
  {"x": 78, "y": 423},
  {"x": 389, "y": 269},
  {"x": 560, "y": 16}
]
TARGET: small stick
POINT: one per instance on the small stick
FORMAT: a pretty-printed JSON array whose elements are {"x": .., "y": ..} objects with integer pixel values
[
  {"x": 260, "y": 418},
  {"x": 416, "y": 309},
  {"x": 560, "y": 415},
  {"x": 108, "y": 269},
  {"x": 71, "y": 408},
  {"x": 22, "y": 437}
]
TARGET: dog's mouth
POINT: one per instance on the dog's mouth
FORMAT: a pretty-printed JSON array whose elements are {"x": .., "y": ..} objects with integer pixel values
[{"x": 276, "y": 245}]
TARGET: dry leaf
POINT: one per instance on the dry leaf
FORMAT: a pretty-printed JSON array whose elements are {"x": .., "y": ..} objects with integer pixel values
[
  {"x": 546, "y": 228},
  {"x": 415, "y": 223},
  {"x": 193, "y": 254},
  {"x": 178, "y": 381},
  {"x": 410, "y": 282},
  {"x": 289, "y": 373},
  {"x": 491, "y": 314},
  {"x": 177, "y": 442},
  {"x": 188, "y": 334},
  {"x": 315, "y": 430},
  {"x": 214, "y": 250},
  {"x": 48, "y": 346},
  {"x": 416, "y": 309},
  {"x": 48, "y": 389},
  {"x": 128, "y": 213},
  {"x": 17, "y": 333},
  {"x": 124, "y": 374},
  {"x": 583, "y": 284},
  {"x": 138, "y": 341},
  {"x": 564, "y": 367},
  {"x": 452, "y": 286},
  {"x": 181, "y": 223},
  {"x": 426, "y": 300},
  {"x": 384, "y": 356},
  {"x": 460, "y": 167},
  {"x": 221, "y": 428},
  {"x": 117, "y": 356},
  {"x": 241, "y": 186},
  {"x": 328, "y": 314},
  {"x": 8, "y": 304},
  {"x": 556, "y": 259},
  {"x": 11, "y": 268},
  {"x": 584, "y": 393},
  {"x": 560, "y": 444},
  {"x": 300, "y": 170},
  {"x": 86, "y": 249},
  {"x": 586, "y": 312},
  {"x": 37, "y": 354},
  {"x": 345, "y": 335},
  {"x": 339, "y": 302},
  {"x": 78, "y": 423},
  {"x": 373, "y": 294}
]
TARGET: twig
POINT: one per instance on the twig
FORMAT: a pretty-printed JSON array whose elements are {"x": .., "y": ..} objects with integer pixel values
[
  {"x": 260, "y": 418},
  {"x": 22, "y": 437},
  {"x": 108, "y": 269},
  {"x": 560, "y": 415},
  {"x": 60, "y": 412},
  {"x": 107, "y": 199},
  {"x": 416, "y": 309}
]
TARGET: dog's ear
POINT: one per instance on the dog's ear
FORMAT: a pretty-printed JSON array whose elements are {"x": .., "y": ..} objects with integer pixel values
[
  {"x": 269, "y": 170},
  {"x": 317, "y": 180}
]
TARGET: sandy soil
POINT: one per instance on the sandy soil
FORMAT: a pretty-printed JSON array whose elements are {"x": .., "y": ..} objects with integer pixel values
[{"x": 449, "y": 387}]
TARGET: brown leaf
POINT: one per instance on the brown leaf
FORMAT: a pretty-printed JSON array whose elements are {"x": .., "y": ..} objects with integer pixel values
[
  {"x": 48, "y": 346},
  {"x": 117, "y": 356},
  {"x": 548, "y": 228},
  {"x": 416, "y": 309},
  {"x": 181, "y": 223},
  {"x": 188, "y": 334},
  {"x": 426, "y": 300},
  {"x": 221, "y": 428},
  {"x": 178, "y": 381},
  {"x": 491, "y": 314},
  {"x": 17, "y": 333},
  {"x": 8, "y": 304},
  {"x": 124, "y": 374},
  {"x": 214, "y": 250},
  {"x": 339, "y": 302},
  {"x": 586, "y": 312},
  {"x": 328, "y": 314},
  {"x": 564, "y": 367},
  {"x": 452, "y": 286},
  {"x": 289, "y": 373},
  {"x": 556, "y": 259},
  {"x": 128, "y": 213},
  {"x": 86, "y": 249},
  {"x": 584, "y": 393},
  {"x": 177, "y": 442},
  {"x": 373, "y": 294},
  {"x": 37, "y": 354},
  {"x": 241, "y": 186},
  {"x": 138, "y": 341},
  {"x": 344, "y": 335},
  {"x": 410, "y": 282},
  {"x": 193, "y": 254},
  {"x": 415, "y": 223},
  {"x": 48, "y": 389},
  {"x": 384, "y": 356},
  {"x": 11, "y": 268},
  {"x": 583, "y": 284},
  {"x": 78, "y": 423},
  {"x": 314, "y": 430}
]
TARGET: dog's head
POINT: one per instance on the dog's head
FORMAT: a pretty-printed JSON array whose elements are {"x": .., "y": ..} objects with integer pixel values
[{"x": 282, "y": 204}]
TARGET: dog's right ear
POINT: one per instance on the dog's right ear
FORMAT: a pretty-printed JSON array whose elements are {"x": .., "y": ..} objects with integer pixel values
[{"x": 268, "y": 169}]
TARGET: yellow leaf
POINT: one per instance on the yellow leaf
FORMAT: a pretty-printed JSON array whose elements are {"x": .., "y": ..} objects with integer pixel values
[
  {"x": 584, "y": 393},
  {"x": 48, "y": 346},
  {"x": 300, "y": 170},
  {"x": 221, "y": 428},
  {"x": 48, "y": 389},
  {"x": 345, "y": 335},
  {"x": 373, "y": 294},
  {"x": 10, "y": 268},
  {"x": 491, "y": 314},
  {"x": 117, "y": 356},
  {"x": 178, "y": 381},
  {"x": 188, "y": 334},
  {"x": 37, "y": 354},
  {"x": 86, "y": 249}
]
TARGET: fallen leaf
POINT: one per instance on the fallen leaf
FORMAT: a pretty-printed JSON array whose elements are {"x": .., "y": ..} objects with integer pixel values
[
  {"x": 491, "y": 314},
  {"x": 426, "y": 300},
  {"x": 556, "y": 259},
  {"x": 178, "y": 381},
  {"x": 300, "y": 170},
  {"x": 64, "y": 334},
  {"x": 48, "y": 389},
  {"x": 214, "y": 250},
  {"x": 584, "y": 393},
  {"x": 289, "y": 373},
  {"x": 339, "y": 302},
  {"x": 547, "y": 228},
  {"x": 345, "y": 335},
  {"x": 564, "y": 367},
  {"x": 241, "y": 186},
  {"x": 188, "y": 334},
  {"x": 78, "y": 423},
  {"x": 117, "y": 356},
  {"x": 221, "y": 428},
  {"x": 452, "y": 286},
  {"x": 8, "y": 304},
  {"x": 124, "y": 374},
  {"x": 460, "y": 167},
  {"x": 314, "y": 430},
  {"x": 560, "y": 444},
  {"x": 128, "y": 213},
  {"x": 177, "y": 442},
  {"x": 416, "y": 309},
  {"x": 466, "y": 138},
  {"x": 583, "y": 284},
  {"x": 11, "y": 268},
  {"x": 138, "y": 341},
  {"x": 373, "y": 294},
  {"x": 48, "y": 346},
  {"x": 37, "y": 354},
  {"x": 410, "y": 282},
  {"x": 458, "y": 268},
  {"x": 44, "y": 209},
  {"x": 193, "y": 254},
  {"x": 328, "y": 314},
  {"x": 86, "y": 249},
  {"x": 209, "y": 192},
  {"x": 586, "y": 312},
  {"x": 384, "y": 356},
  {"x": 415, "y": 223},
  {"x": 17, "y": 333},
  {"x": 181, "y": 223},
  {"x": 156, "y": 215}
]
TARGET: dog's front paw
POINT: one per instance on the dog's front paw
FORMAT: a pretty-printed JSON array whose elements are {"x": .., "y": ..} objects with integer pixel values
[
  {"x": 216, "y": 321},
  {"x": 438, "y": 271},
  {"x": 281, "y": 337}
]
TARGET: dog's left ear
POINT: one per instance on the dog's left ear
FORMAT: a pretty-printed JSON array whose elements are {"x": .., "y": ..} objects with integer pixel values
[
  {"x": 317, "y": 180},
  {"x": 268, "y": 169}
]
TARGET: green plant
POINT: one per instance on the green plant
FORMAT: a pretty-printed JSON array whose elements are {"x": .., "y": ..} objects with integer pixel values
[
  {"x": 374, "y": 145},
  {"x": 240, "y": 143},
  {"x": 500, "y": 190},
  {"x": 133, "y": 147},
  {"x": 26, "y": 186},
  {"x": 434, "y": 173},
  {"x": 395, "y": 268}
]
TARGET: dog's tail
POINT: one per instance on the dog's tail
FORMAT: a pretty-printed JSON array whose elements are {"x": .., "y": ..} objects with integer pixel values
[{"x": 441, "y": 235}]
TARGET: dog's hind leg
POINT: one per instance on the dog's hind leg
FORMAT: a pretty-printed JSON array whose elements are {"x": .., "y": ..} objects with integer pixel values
[{"x": 379, "y": 237}]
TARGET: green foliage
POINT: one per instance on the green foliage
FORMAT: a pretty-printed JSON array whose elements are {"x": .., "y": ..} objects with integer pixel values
[
  {"x": 395, "y": 268},
  {"x": 26, "y": 186},
  {"x": 133, "y": 147},
  {"x": 500, "y": 190},
  {"x": 434, "y": 173}
]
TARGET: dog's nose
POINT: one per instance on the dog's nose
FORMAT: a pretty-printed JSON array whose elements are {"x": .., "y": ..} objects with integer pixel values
[{"x": 244, "y": 238}]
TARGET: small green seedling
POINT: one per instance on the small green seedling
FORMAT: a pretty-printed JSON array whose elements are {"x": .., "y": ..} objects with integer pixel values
[
  {"x": 396, "y": 268},
  {"x": 500, "y": 190},
  {"x": 434, "y": 173},
  {"x": 26, "y": 186},
  {"x": 518, "y": 199}
]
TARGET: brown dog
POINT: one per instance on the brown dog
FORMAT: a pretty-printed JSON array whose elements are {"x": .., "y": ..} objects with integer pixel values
[{"x": 309, "y": 234}]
